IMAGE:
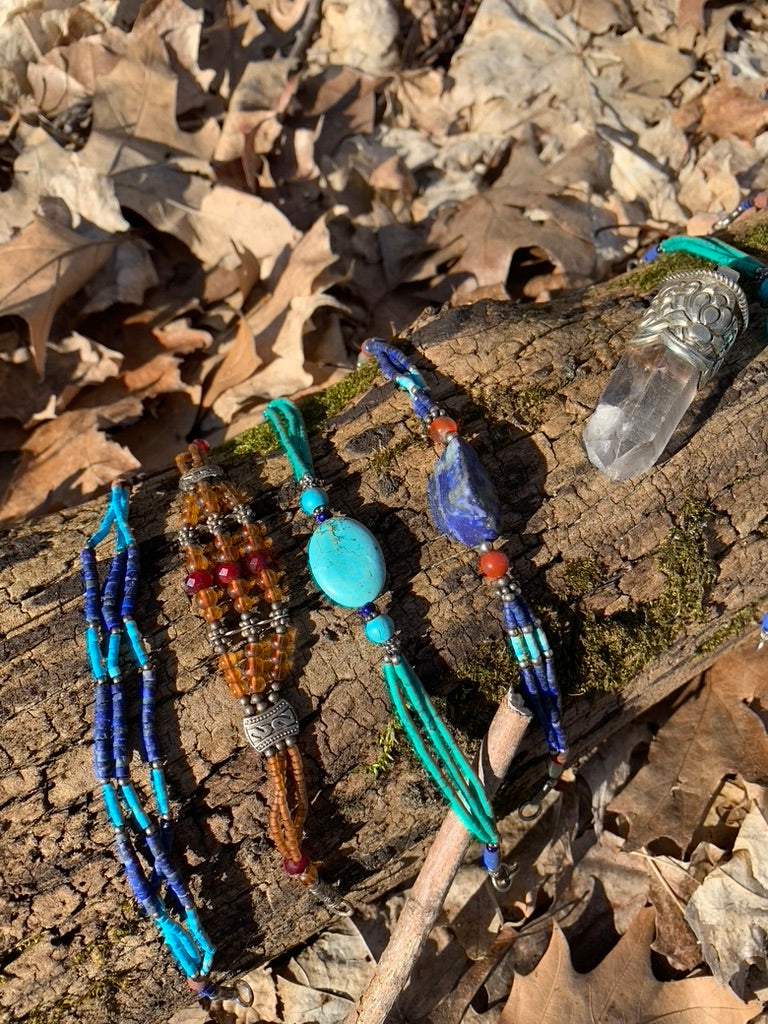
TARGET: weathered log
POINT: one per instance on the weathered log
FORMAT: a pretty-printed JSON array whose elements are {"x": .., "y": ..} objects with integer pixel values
[{"x": 641, "y": 584}]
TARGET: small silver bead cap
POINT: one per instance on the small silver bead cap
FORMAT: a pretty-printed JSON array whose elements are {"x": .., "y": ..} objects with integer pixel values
[
  {"x": 271, "y": 728},
  {"x": 199, "y": 475},
  {"x": 697, "y": 314}
]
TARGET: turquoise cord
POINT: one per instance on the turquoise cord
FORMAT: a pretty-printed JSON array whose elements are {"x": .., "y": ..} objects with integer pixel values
[
  {"x": 450, "y": 771},
  {"x": 288, "y": 425},
  {"x": 722, "y": 254}
]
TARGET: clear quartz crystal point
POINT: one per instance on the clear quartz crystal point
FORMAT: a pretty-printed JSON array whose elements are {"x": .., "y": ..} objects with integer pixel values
[{"x": 681, "y": 341}]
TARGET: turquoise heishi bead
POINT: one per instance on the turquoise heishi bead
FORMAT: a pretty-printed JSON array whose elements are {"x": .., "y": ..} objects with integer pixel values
[
  {"x": 380, "y": 629},
  {"x": 312, "y": 499},
  {"x": 346, "y": 562}
]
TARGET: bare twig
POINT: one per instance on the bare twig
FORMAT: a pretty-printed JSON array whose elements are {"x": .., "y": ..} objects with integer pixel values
[{"x": 441, "y": 864}]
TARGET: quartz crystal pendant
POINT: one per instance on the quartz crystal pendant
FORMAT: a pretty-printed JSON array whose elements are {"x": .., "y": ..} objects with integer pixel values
[
  {"x": 682, "y": 340},
  {"x": 463, "y": 504}
]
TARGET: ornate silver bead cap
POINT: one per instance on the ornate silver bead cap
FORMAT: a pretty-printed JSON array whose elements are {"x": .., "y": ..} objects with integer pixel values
[
  {"x": 271, "y": 728},
  {"x": 697, "y": 314}
]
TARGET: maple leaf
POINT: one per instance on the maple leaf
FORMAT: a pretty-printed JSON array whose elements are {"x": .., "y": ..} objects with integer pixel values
[
  {"x": 44, "y": 265},
  {"x": 620, "y": 989},
  {"x": 714, "y": 732}
]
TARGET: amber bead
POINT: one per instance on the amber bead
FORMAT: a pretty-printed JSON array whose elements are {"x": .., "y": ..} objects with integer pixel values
[
  {"x": 441, "y": 428},
  {"x": 310, "y": 876},
  {"x": 493, "y": 564},
  {"x": 195, "y": 558}
]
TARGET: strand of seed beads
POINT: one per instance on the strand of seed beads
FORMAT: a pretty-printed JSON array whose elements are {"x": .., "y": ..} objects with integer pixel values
[
  {"x": 463, "y": 506},
  {"x": 141, "y": 834},
  {"x": 235, "y": 582},
  {"x": 347, "y": 565}
]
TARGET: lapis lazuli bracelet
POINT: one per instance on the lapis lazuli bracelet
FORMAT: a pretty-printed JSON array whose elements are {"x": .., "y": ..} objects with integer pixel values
[
  {"x": 464, "y": 506},
  {"x": 347, "y": 565},
  {"x": 142, "y": 834}
]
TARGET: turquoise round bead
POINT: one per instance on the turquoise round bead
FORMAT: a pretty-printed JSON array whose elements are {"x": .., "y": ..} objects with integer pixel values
[
  {"x": 313, "y": 499},
  {"x": 346, "y": 562},
  {"x": 380, "y": 629}
]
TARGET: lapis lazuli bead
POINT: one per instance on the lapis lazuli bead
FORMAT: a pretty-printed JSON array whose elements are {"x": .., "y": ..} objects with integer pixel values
[
  {"x": 463, "y": 504},
  {"x": 312, "y": 500},
  {"x": 346, "y": 562},
  {"x": 380, "y": 629}
]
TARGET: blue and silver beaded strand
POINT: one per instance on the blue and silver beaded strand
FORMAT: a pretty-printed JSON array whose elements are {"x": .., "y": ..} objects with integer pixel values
[
  {"x": 141, "y": 834},
  {"x": 463, "y": 506},
  {"x": 763, "y": 638},
  {"x": 347, "y": 565}
]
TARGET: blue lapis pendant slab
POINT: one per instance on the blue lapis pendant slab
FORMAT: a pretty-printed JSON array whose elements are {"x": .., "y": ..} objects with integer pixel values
[
  {"x": 463, "y": 503},
  {"x": 346, "y": 562}
]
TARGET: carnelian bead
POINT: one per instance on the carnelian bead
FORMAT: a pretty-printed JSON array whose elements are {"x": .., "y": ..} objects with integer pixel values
[
  {"x": 441, "y": 428},
  {"x": 256, "y": 562},
  {"x": 197, "y": 581},
  {"x": 493, "y": 564},
  {"x": 296, "y": 867},
  {"x": 227, "y": 571}
]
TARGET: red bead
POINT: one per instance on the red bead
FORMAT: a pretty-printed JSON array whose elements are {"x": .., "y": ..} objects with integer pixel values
[
  {"x": 493, "y": 564},
  {"x": 441, "y": 428},
  {"x": 197, "y": 580},
  {"x": 203, "y": 446},
  {"x": 226, "y": 572},
  {"x": 254, "y": 563},
  {"x": 296, "y": 867}
]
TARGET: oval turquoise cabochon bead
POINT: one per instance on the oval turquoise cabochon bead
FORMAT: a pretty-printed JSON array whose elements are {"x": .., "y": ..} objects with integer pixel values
[{"x": 346, "y": 562}]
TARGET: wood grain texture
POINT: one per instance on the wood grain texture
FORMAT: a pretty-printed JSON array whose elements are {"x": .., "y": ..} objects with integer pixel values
[{"x": 72, "y": 946}]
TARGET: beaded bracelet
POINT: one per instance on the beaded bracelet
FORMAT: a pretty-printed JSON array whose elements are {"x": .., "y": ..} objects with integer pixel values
[
  {"x": 463, "y": 506},
  {"x": 237, "y": 588},
  {"x": 347, "y": 565},
  {"x": 140, "y": 833}
]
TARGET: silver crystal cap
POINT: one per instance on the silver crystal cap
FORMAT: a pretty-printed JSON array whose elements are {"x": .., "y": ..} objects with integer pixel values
[{"x": 697, "y": 314}]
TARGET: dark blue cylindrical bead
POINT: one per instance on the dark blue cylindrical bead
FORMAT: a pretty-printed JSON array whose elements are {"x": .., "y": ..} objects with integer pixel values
[
  {"x": 131, "y": 583},
  {"x": 421, "y": 404},
  {"x": 113, "y": 589}
]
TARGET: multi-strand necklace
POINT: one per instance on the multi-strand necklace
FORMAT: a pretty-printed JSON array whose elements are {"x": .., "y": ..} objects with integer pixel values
[
  {"x": 142, "y": 832},
  {"x": 237, "y": 587},
  {"x": 347, "y": 565},
  {"x": 464, "y": 507}
]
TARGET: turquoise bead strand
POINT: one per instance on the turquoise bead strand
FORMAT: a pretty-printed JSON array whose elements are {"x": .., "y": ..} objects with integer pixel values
[
  {"x": 347, "y": 565},
  {"x": 141, "y": 833}
]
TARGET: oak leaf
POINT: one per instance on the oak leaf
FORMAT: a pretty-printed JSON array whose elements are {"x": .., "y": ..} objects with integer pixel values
[
  {"x": 729, "y": 911},
  {"x": 622, "y": 988},
  {"x": 712, "y": 733},
  {"x": 44, "y": 265}
]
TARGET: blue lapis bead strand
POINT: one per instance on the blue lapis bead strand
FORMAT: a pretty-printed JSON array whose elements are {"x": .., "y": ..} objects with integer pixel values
[
  {"x": 347, "y": 565},
  {"x": 109, "y": 614},
  {"x": 464, "y": 507}
]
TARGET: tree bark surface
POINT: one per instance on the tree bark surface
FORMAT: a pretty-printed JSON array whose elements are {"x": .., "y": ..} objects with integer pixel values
[{"x": 521, "y": 381}]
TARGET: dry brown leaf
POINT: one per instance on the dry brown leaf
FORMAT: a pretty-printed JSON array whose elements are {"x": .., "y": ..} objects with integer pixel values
[
  {"x": 729, "y": 911},
  {"x": 156, "y": 169},
  {"x": 359, "y": 34},
  {"x": 66, "y": 459},
  {"x": 44, "y": 265},
  {"x": 44, "y": 169},
  {"x": 734, "y": 110},
  {"x": 621, "y": 988},
  {"x": 308, "y": 260},
  {"x": 712, "y": 733}
]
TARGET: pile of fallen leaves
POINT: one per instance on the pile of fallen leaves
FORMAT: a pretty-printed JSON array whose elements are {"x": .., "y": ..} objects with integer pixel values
[
  {"x": 641, "y": 894},
  {"x": 205, "y": 206}
]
